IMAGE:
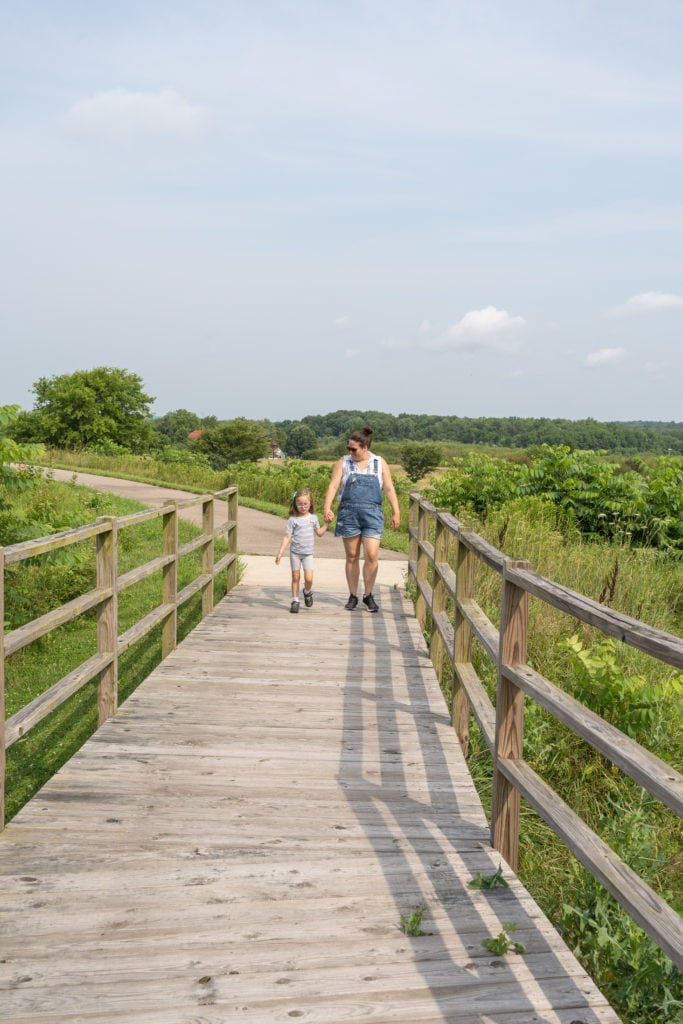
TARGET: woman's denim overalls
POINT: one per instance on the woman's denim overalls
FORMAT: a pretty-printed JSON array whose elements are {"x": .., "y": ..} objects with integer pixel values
[{"x": 360, "y": 506}]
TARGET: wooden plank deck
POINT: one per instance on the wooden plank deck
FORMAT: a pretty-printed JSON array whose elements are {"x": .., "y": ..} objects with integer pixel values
[{"x": 240, "y": 841}]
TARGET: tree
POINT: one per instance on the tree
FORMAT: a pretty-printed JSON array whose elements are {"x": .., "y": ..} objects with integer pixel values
[
  {"x": 89, "y": 408},
  {"x": 418, "y": 459},
  {"x": 300, "y": 439},
  {"x": 175, "y": 426},
  {"x": 237, "y": 440}
]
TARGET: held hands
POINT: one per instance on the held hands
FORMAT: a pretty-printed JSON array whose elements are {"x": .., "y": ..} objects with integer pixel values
[{"x": 328, "y": 516}]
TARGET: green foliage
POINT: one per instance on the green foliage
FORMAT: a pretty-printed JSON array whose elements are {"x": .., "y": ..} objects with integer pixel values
[
  {"x": 418, "y": 458},
  {"x": 300, "y": 439},
  {"x": 175, "y": 427},
  {"x": 665, "y": 503},
  {"x": 631, "y": 703},
  {"x": 17, "y": 479},
  {"x": 502, "y": 943},
  {"x": 636, "y": 976},
  {"x": 412, "y": 924},
  {"x": 238, "y": 440},
  {"x": 600, "y": 499},
  {"x": 181, "y": 456},
  {"x": 488, "y": 881},
  {"x": 476, "y": 484},
  {"x": 89, "y": 407}
]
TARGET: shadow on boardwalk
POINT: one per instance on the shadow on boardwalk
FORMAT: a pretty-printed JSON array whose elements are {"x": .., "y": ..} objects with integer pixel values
[{"x": 240, "y": 841}]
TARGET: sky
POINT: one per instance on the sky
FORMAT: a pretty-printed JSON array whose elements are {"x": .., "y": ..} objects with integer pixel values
[{"x": 273, "y": 209}]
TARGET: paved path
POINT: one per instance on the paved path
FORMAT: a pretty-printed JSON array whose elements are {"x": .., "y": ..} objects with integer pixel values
[{"x": 258, "y": 536}]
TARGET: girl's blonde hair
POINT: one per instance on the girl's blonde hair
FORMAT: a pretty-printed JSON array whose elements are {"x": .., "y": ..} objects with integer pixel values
[{"x": 303, "y": 493}]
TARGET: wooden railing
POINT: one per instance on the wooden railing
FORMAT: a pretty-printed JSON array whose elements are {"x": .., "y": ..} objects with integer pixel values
[
  {"x": 441, "y": 567},
  {"x": 104, "y": 598}
]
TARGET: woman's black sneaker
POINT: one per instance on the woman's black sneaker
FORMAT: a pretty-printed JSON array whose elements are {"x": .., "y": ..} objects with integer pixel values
[
  {"x": 370, "y": 603},
  {"x": 352, "y": 603}
]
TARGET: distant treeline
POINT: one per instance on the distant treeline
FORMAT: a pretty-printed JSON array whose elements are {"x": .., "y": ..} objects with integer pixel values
[{"x": 625, "y": 438}]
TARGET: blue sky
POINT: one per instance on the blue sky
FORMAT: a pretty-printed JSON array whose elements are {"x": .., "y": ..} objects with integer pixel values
[{"x": 269, "y": 209}]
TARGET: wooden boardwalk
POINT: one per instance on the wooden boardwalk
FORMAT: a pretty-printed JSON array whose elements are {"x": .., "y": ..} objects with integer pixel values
[{"x": 239, "y": 844}]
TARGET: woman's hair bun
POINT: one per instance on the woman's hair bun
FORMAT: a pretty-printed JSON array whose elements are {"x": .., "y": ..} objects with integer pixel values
[{"x": 368, "y": 431}]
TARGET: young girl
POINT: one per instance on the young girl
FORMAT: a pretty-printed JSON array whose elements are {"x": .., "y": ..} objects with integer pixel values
[{"x": 301, "y": 529}]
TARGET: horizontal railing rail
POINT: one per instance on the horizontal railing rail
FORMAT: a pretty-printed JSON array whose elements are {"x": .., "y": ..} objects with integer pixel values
[
  {"x": 441, "y": 567},
  {"x": 103, "y": 597}
]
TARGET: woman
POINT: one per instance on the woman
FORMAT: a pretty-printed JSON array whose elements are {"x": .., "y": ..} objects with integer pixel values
[{"x": 359, "y": 479}]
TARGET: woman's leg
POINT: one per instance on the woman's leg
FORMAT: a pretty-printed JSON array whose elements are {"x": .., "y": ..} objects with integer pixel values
[
  {"x": 370, "y": 563},
  {"x": 352, "y": 549}
]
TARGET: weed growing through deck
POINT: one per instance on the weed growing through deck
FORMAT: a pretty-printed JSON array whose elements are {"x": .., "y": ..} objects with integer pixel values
[
  {"x": 502, "y": 943},
  {"x": 412, "y": 924},
  {"x": 488, "y": 881}
]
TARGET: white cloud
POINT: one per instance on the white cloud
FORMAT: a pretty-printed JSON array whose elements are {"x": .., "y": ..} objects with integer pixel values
[
  {"x": 118, "y": 112},
  {"x": 425, "y": 328},
  {"x": 648, "y": 302},
  {"x": 487, "y": 328},
  {"x": 351, "y": 353},
  {"x": 603, "y": 356},
  {"x": 342, "y": 321}
]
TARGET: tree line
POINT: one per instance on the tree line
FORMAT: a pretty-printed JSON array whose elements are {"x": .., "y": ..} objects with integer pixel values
[
  {"x": 627, "y": 438},
  {"x": 107, "y": 407}
]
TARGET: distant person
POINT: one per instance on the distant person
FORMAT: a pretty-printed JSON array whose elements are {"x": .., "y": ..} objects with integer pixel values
[
  {"x": 359, "y": 479},
  {"x": 303, "y": 526}
]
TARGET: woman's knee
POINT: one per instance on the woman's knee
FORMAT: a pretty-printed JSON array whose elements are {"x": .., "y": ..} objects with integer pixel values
[{"x": 371, "y": 550}]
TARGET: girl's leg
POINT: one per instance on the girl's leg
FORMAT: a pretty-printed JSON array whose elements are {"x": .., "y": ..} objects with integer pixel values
[{"x": 296, "y": 576}]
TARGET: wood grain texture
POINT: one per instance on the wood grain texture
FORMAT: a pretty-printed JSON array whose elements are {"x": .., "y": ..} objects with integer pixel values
[{"x": 239, "y": 842}]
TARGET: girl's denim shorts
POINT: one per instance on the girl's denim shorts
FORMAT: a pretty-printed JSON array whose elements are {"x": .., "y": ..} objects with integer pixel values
[{"x": 366, "y": 520}]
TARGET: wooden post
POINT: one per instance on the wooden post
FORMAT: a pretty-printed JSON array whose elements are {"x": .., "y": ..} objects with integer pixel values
[
  {"x": 107, "y": 620},
  {"x": 509, "y": 744},
  {"x": 439, "y": 594},
  {"x": 2, "y": 690},
  {"x": 169, "y": 595},
  {"x": 413, "y": 510},
  {"x": 422, "y": 564},
  {"x": 207, "y": 555},
  {"x": 462, "y": 643},
  {"x": 232, "y": 538}
]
